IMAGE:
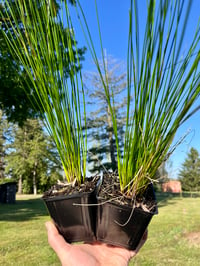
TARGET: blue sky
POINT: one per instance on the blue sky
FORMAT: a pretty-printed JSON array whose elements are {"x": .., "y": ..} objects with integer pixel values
[{"x": 114, "y": 28}]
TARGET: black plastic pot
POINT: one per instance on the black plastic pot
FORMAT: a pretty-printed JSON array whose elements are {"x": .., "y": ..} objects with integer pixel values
[
  {"x": 74, "y": 216},
  {"x": 123, "y": 226}
]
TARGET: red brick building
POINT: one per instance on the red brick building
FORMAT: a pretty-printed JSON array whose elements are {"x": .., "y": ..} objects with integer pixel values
[{"x": 173, "y": 186}]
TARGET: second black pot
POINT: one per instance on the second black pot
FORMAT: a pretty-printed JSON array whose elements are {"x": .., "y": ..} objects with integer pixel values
[{"x": 123, "y": 226}]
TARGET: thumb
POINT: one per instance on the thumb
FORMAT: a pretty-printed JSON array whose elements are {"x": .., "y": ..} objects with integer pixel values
[{"x": 56, "y": 241}]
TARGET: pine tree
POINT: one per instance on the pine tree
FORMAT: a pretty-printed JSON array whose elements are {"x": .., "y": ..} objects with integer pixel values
[
  {"x": 102, "y": 149},
  {"x": 190, "y": 173}
]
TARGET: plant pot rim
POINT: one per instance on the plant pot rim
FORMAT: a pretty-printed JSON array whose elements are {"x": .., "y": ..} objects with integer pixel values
[{"x": 63, "y": 197}]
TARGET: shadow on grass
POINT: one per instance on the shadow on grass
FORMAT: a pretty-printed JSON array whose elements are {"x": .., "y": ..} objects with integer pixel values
[
  {"x": 166, "y": 198},
  {"x": 23, "y": 210}
]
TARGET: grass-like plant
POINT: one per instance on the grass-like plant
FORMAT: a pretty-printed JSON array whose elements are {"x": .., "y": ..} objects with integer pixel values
[
  {"x": 164, "y": 87},
  {"x": 45, "y": 44}
]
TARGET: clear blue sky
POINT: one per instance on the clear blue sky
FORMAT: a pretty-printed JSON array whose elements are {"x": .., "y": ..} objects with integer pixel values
[{"x": 114, "y": 27}]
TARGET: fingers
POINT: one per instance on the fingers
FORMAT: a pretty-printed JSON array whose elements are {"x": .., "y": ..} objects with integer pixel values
[
  {"x": 56, "y": 241},
  {"x": 63, "y": 249}
]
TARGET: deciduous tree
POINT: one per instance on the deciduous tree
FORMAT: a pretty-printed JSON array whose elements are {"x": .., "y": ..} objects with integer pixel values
[
  {"x": 32, "y": 160},
  {"x": 18, "y": 105}
]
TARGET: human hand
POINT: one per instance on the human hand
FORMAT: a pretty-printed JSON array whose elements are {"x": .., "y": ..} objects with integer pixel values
[{"x": 89, "y": 254}]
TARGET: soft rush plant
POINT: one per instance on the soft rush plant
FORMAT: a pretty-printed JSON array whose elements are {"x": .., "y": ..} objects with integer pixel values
[
  {"x": 45, "y": 44},
  {"x": 164, "y": 87}
]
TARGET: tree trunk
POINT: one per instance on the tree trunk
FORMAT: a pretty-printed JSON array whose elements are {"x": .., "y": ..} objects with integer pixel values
[
  {"x": 111, "y": 142},
  {"x": 20, "y": 185},
  {"x": 34, "y": 180},
  {"x": 2, "y": 155}
]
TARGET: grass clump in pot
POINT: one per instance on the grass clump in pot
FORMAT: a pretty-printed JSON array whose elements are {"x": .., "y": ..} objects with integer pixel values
[
  {"x": 44, "y": 43},
  {"x": 162, "y": 88}
]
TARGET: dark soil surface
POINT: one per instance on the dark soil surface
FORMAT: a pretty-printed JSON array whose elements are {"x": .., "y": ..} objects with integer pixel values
[
  {"x": 110, "y": 191},
  {"x": 64, "y": 189}
]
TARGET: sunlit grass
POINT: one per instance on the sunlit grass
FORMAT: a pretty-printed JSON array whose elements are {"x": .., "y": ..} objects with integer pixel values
[
  {"x": 167, "y": 242},
  {"x": 24, "y": 237},
  {"x": 23, "y": 233}
]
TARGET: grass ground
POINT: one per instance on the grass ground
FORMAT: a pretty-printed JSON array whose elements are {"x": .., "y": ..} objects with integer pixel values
[
  {"x": 23, "y": 239},
  {"x": 174, "y": 234}
]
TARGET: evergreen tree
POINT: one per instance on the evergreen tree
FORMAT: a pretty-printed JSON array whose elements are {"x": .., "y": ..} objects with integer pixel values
[
  {"x": 102, "y": 150},
  {"x": 32, "y": 159},
  {"x": 190, "y": 173}
]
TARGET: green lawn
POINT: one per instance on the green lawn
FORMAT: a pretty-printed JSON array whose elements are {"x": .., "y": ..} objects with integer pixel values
[
  {"x": 170, "y": 240},
  {"x": 23, "y": 239},
  {"x": 174, "y": 234}
]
